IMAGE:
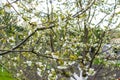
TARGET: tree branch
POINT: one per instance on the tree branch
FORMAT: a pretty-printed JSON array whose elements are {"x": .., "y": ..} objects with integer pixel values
[
  {"x": 84, "y": 10},
  {"x": 17, "y": 50},
  {"x": 17, "y": 46},
  {"x": 100, "y": 43}
]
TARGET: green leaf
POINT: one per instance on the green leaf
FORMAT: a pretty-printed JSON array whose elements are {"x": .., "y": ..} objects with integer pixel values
[
  {"x": 1, "y": 11},
  {"x": 25, "y": 18},
  {"x": 97, "y": 61}
]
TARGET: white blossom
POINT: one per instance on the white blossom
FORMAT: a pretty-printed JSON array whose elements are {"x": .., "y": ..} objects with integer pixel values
[
  {"x": 91, "y": 71},
  {"x": 38, "y": 63},
  {"x": 0, "y": 57},
  {"x": 14, "y": 64},
  {"x": 61, "y": 67},
  {"x": 39, "y": 71},
  {"x": 18, "y": 74},
  {"x": 29, "y": 63},
  {"x": 47, "y": 52}
]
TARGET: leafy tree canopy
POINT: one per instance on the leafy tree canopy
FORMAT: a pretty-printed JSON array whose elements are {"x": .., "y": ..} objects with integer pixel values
[{"x": 51, "y": 39}]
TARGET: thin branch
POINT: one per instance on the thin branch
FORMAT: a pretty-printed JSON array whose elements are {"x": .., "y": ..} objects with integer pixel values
[
  {"x": 80, "y": 4},
  {"x": 13, "y": 7},
  {"x": 17, "y": 50},
  {"x": 83, "y": 11},
  {"x": 17, "y": 46},
  {"x": 105, "y": 50},
  {"x": 38, "y": 54},
  {"x": 90, "y": 20},
  {"x": 52, "y": 43},
  {"x": 100, "y": 44},
  {"x": 113, "y": 15},
  {"x": 89, "y": 14},
  {"x": 101, "y": 20},
  {"x": 14, "y": 1},
  {"x": 102, "y": 37}
]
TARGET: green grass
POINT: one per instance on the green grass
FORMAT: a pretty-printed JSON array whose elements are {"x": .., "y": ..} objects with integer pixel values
[{"x": 4, "y": 75}]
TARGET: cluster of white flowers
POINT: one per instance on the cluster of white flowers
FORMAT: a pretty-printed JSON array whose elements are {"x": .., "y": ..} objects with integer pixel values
[
  {"x": 65, "y": 44},
  {"x": 38, "y": 63},
  {"x": 54, "y": 56},
  {"x": 91, "y": 71},
  {"x": 110, "y": 62},
  {"x": 47, "y": 52},
  {"x": 11, "y": 40},
  {"x": 18, "y": 74},
  {"x": 50, "y": 74},
  {"x": 14, "y": 58},
  {"x": 14, "y": 64},
  {"x": 61, "y": 67},
  {"x": 29, "y": 63},
  {"x": 39, "y": 71}
]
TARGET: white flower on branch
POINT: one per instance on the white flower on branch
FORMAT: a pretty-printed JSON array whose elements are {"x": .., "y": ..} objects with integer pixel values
[
  {"x": 38, "y": 63},
  {"x": 29, "y": 63},
  {"x": 91, "y": 71}
]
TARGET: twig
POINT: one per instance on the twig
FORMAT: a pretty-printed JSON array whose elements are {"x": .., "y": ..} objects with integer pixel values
[
  {"x": 13, "y": 7},
  {"x": 101, "y": 20},
  {"x": 90, "y": 20},
  {"x": 17, "y": 50},
  {"x": 83, "y": 11},
  {"x": 38, "y": 54}
]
